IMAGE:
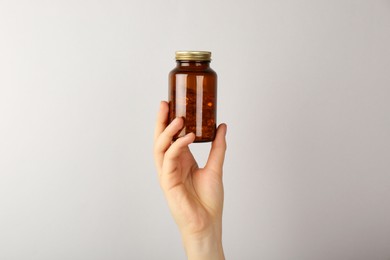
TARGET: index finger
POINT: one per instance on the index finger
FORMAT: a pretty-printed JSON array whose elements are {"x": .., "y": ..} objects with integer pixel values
[{"x": 162, "y": 119}]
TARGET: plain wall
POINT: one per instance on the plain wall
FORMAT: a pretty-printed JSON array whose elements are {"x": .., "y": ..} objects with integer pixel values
[{"x": 304, "y": 87}]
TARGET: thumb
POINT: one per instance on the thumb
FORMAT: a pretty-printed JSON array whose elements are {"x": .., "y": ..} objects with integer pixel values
[{"x": 218, "y": 149}]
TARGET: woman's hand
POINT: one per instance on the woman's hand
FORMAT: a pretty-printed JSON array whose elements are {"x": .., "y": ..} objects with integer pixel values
[{"x": 194, "y": 195}]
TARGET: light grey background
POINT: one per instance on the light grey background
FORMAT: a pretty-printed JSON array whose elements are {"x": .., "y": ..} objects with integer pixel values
[{"x": 303, "y": 86}]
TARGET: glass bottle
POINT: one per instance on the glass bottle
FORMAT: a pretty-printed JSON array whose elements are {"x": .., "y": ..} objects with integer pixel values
[{"x": 193, "y": 95}]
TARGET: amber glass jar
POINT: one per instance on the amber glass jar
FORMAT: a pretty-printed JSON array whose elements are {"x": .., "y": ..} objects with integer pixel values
[{"x": 193, "y": 94}]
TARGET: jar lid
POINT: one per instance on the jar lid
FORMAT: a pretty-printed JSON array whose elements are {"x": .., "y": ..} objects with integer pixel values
[{"x": 193, "y": 55}]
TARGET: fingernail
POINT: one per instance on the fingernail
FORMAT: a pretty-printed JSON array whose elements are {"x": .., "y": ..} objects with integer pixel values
[
  {"x": 190, "y": 135},
  {"x": 176, "y": 120},
  {"x": 161, "y": 105}
]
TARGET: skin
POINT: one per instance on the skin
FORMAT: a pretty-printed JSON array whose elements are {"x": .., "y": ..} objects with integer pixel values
[{"x": 194, "y": 195}]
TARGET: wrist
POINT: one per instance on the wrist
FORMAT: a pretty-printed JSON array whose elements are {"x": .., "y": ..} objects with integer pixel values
[{"x": 204, "y": 246}]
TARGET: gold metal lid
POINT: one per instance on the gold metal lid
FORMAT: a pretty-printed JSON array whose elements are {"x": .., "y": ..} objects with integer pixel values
[{"x": 193, "y": 55}]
